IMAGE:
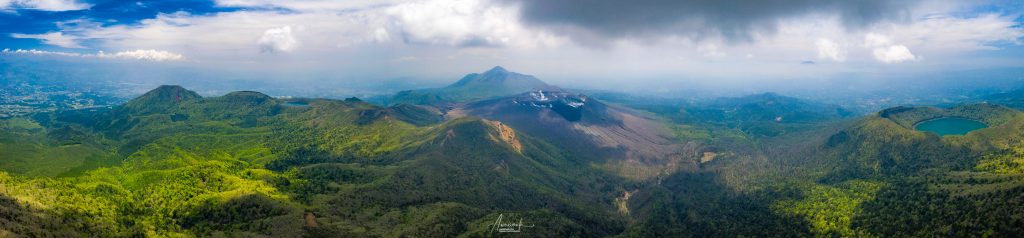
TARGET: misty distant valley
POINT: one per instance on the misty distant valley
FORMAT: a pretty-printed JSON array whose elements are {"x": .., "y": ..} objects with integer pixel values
[{"x": 494, "y": 118}]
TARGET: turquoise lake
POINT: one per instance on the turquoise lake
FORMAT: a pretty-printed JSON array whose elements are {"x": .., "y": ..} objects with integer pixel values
[{"x": 950, "y": 126}]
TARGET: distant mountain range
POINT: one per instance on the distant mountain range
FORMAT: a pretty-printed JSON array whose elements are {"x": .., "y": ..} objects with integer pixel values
[
  {"x": 1014, "y": 99},
  {"x": 495, "y": 82},
  {"x": 769, "y": 107}
]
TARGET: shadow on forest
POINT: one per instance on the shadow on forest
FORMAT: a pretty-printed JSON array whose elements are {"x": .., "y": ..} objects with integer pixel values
[
  {"x": 252, "y": 215},
  {"x": 699, "y": 204},
  {"x": 21, "y": 220}
]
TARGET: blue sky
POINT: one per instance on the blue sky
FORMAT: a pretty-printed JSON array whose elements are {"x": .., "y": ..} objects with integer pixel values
[
  {"x": 605, "y": 42},
  {"x": 20, "y": 19}
]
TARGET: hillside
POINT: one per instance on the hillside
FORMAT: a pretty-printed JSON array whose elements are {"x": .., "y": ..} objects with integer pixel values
[
  {"x": 891, "y": 171},
  {"x": 495, "y": 82},
  {"x": 322, "y": 168},
  {"x": 875, "y": 176},
  {"x": 161, "y": 98},
  {"x": 249, "y": 165}
]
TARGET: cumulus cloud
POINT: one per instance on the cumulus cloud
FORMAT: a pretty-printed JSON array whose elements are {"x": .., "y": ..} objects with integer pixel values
[
  {"x": 143, "y": 55},
  {"x": 885, "y": 51},
  {"x": 149, "y": 55},
  {"x": 52, "y": 38},
  {"x": 733, "y": 20},
  {"x": 874, "y": 40},
  {"x": 828, "y": 49},
  {"x": 44, "y": 5},
  {"x": 893, "y": 54},
  {"x": 464, "y": 23},
  {"x": 460, "y": 23},
  {"x": 228, "y": 35},
  {"x": 428, "y": 23},
  {"x": 278, "y": 40}
]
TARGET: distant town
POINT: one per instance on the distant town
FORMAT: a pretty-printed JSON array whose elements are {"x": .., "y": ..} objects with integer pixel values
[{"x": 20, "y": 99}]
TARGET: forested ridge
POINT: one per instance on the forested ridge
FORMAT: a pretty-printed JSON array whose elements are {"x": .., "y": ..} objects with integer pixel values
[{"x": 171, "y": 163}]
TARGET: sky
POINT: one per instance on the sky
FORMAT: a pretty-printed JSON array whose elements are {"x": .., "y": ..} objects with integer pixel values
[{"x": 609, "y": 44}]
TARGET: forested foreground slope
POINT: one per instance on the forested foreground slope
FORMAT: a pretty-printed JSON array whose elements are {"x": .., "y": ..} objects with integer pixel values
[
  {"x": 173, "y": 164},
  {"x": 246, "y": 164}
]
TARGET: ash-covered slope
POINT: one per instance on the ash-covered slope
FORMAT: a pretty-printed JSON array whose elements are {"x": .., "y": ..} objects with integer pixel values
[{"x": 584, "y": 126}]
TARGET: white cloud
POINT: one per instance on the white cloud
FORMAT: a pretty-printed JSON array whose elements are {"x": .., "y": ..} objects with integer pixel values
[
  {"x": 307, "y": 5},
  {"x": 828, "y": 49},
  {"x": 885, "y": 51},
  {"x": 893, "y": 54},
  {"x": 39, "y": 52},
  {"x": 874, "y": 40},
  {"x": 150, "y": 55},
  {"x": 52, "y": 38},
  {"x": 44, "y": 5},
  {"x": 421, "y": 24},
  {"x": 278, "y": 40},
  {"x": 381, "y": 35},
  {"x": 143, "y": 55},
  {"x": 459, "y": 23},
  {"x": 465, "y": 23},
  {"x": 710, "y": 51}
]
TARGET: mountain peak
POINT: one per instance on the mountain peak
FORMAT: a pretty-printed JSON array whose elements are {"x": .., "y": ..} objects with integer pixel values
[
  {"x": 501, "y": 78},
  {"x": 497, "y": 69},
  {"x": 170, "y": 92},
  {"x": 161, "y": 98},
  {"x": 495, "y": 82},
  {"x": 167, "y": 89},
  {"x": 248, "y": 94}
]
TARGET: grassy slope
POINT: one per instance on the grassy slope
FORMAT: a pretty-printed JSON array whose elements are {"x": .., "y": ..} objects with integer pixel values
[{"x": 883, "y": 176}]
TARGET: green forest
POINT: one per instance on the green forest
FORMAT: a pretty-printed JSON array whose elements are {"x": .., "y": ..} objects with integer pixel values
[{"x": 171, "y": 163}]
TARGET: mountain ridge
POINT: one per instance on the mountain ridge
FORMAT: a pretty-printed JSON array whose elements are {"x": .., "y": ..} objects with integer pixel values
[{"x": 496, "y": 82}]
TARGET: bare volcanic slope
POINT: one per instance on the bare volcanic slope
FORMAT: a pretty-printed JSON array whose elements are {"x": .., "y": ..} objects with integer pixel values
[{"x": 584, "y": 126}]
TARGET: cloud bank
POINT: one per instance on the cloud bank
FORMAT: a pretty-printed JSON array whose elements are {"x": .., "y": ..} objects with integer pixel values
[
  {"x": 732, "y": 20},
  {"x": 143, "y": 55}
]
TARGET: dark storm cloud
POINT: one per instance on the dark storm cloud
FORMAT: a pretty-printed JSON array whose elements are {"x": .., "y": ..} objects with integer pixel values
[{"x": 734, "y": 20}]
